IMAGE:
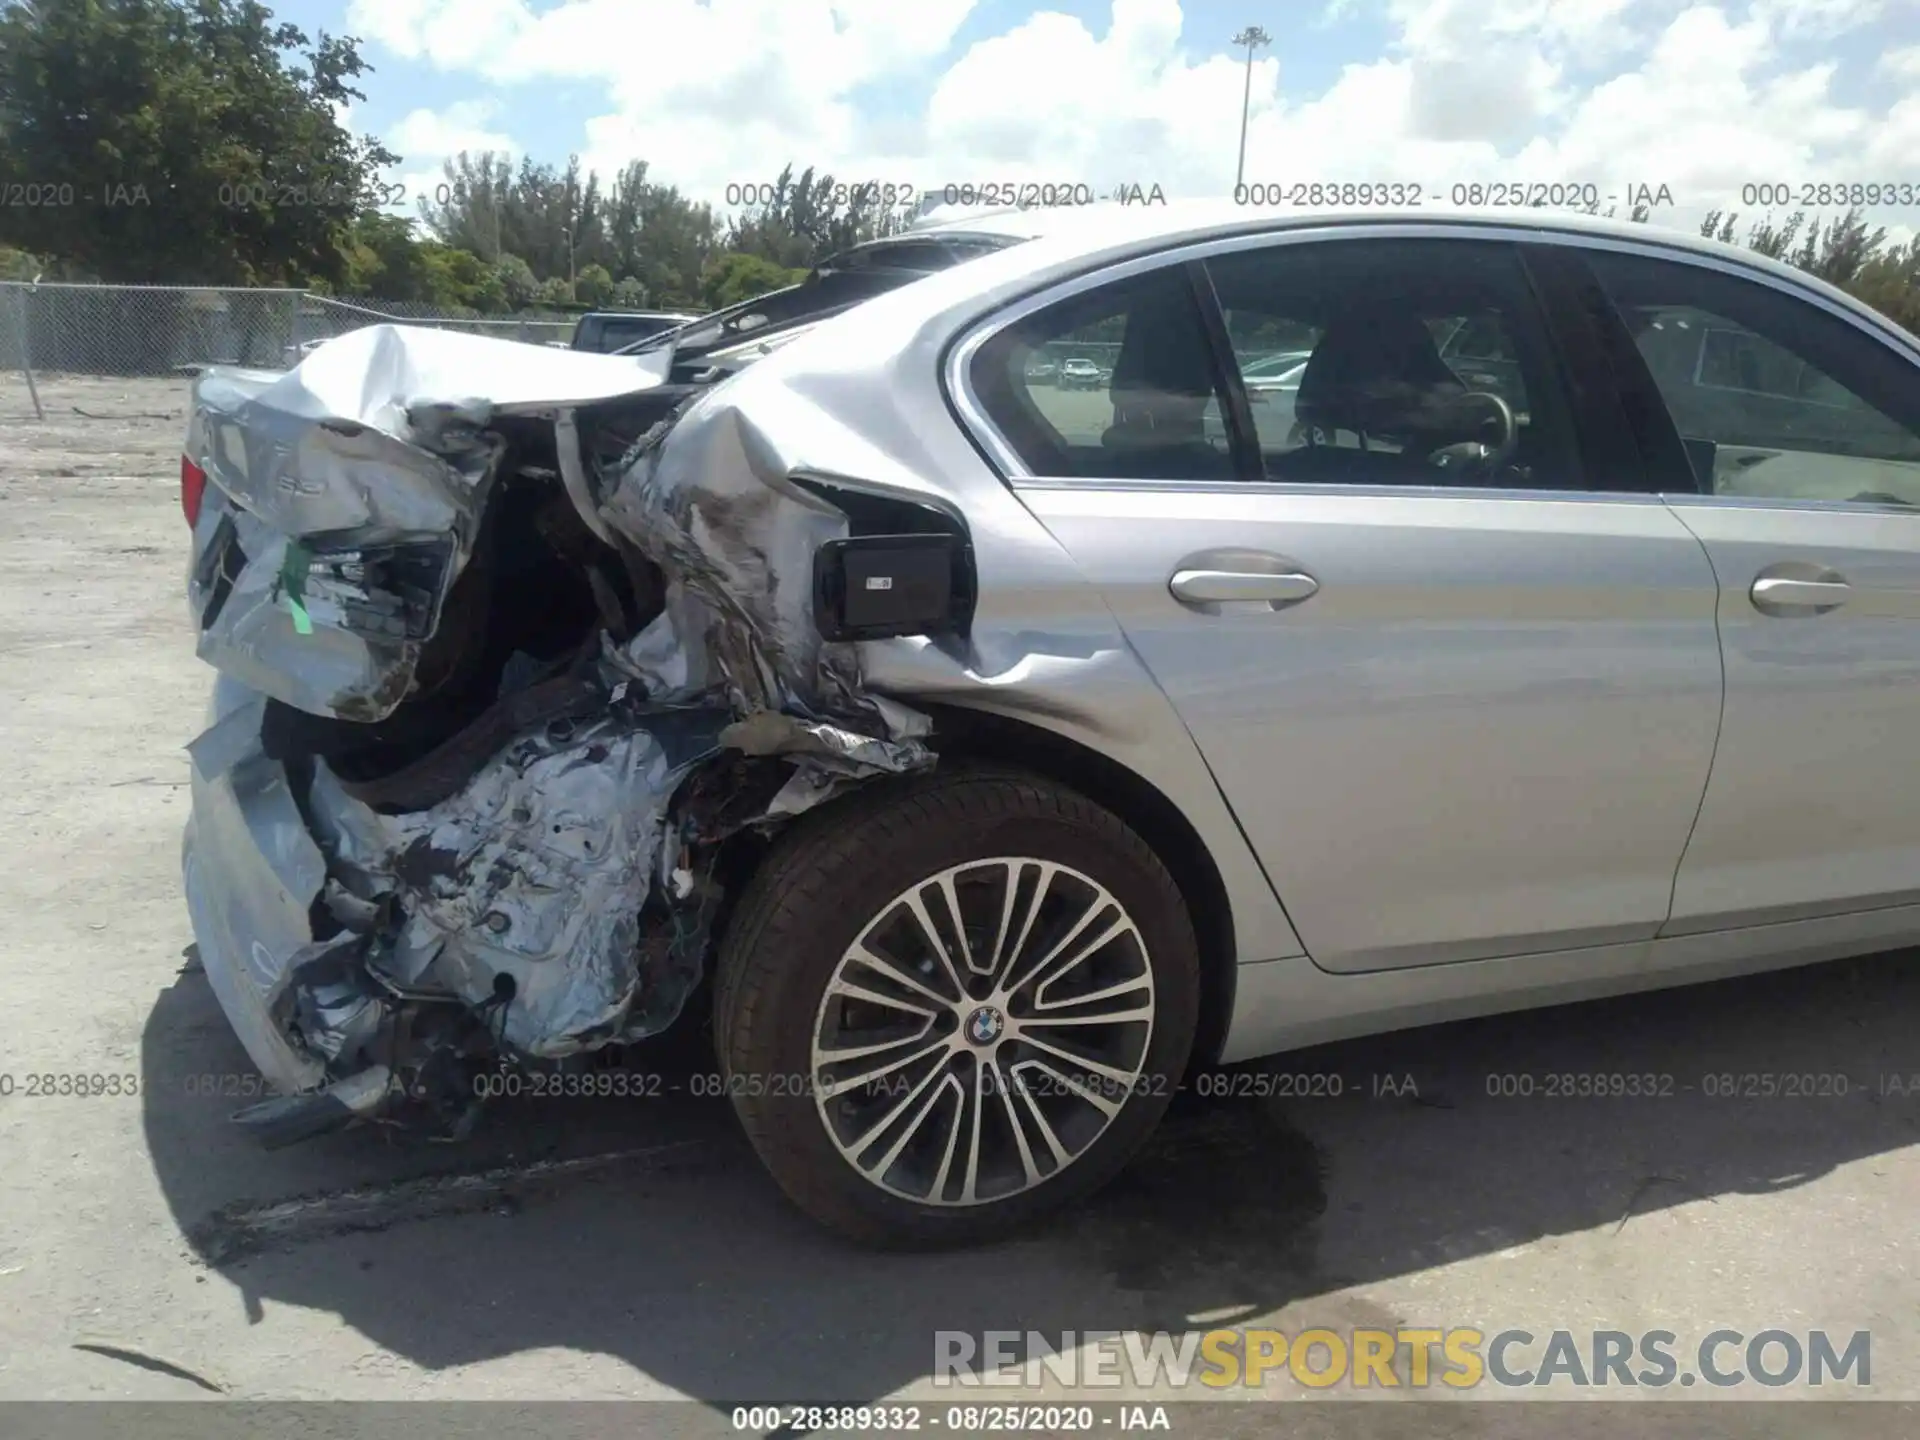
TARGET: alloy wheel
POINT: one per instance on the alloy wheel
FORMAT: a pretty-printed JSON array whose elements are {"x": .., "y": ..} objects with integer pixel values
[{"x": 982, "y": 1031}]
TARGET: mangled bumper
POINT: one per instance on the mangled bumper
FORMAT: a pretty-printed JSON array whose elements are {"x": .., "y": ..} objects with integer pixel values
[
  {"x": 374, "y": 942},
  {"x": 251, "y": 873}
]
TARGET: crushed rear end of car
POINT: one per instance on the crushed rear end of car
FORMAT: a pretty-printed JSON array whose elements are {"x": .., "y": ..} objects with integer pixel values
[{"x": 517, "y": 649}]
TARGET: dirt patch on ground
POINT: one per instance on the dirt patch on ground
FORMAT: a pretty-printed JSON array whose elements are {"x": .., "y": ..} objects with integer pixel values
[{"x": 102, "y": 427}]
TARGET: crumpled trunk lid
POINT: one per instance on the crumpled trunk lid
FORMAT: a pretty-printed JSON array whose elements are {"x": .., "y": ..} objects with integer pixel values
[{"x": 345, "y": 498}]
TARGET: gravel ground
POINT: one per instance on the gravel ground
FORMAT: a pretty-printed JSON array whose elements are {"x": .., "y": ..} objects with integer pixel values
[{"x": 626, "y": 1248}]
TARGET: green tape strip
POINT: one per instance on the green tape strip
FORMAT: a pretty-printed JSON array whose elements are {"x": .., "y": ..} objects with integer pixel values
[{"x": 293, "y": 584}]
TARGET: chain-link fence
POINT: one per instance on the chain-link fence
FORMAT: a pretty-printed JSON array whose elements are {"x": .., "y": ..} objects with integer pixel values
[
  {"x": 321, "y": 318},
  {"x": 168, "y": 330}
]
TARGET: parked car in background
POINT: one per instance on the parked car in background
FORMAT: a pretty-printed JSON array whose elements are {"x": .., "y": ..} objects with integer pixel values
[
  {"x": 1079, "y": 373},
  {"x": 1042, "y": 371},
  {"x": 1579, "y": 664},
  {"x": 610, "y": 330},
  {"x": 1278, "y": 371}
]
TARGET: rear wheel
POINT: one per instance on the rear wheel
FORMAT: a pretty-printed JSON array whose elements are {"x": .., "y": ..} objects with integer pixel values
[{"x": 953, "y": 1004}]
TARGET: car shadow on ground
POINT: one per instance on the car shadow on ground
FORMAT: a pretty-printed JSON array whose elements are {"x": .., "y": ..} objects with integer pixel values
[{"x": 684, "y": 1261}]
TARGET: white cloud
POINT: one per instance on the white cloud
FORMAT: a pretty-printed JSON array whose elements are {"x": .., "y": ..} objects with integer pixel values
[
  {"x": 708, "y": 91},
  {"x": 424, "y": 138},
  {"x": 1903, "y": 63},
  {"x": 1820, "y": 19},
  {"x": 436, "y": 134},
  {"x": 1701, "y": 97}
]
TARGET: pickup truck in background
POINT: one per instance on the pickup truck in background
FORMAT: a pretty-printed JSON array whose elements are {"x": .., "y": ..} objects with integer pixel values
[{"x": 606, "y": 331}]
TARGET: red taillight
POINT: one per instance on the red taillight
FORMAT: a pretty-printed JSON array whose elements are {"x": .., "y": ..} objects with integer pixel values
[{"x": 193, "y": 485}]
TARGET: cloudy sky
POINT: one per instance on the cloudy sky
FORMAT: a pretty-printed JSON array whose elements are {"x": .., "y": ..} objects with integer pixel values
[{"x": 1701, "y": 98}]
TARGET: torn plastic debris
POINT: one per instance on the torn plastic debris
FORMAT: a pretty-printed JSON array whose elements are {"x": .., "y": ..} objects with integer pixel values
[{"x": 551, "y": 869}]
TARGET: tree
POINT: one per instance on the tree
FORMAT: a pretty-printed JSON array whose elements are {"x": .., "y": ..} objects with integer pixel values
[
  {"x": 1719, "y": 226},
  {"x": 1890, "y": 282},
  {"x": 555, "y": 293},
  {"x": 736, "y": 277},
  {"x": 629, "y": 294},
  {"x": 1775, "y": 241},
  {"x": 516, "y": 281},
  {"x": 384, "y": 260},
  {"x": 1838, "y": 253},
  {"x": 198, "y": 140},
  {"x": 593, "y": 286},
  {"x": 19, "y": 265},
  {"x": 470, "y": 206},
  {"x": 811, "y": 217},
  {"x": 461, "y": 280},
  {"x": 658, "y": 237}
]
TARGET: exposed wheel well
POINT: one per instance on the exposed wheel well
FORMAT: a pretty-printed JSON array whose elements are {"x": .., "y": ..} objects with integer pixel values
[{"x": 974, "y": 734}]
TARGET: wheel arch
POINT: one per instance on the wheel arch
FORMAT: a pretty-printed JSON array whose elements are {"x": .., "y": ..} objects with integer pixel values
[{"x": 962, "y": 733}]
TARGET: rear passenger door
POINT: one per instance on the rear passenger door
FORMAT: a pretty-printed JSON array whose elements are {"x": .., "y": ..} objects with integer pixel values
[
  {"x": 1794, "y": 454},
  {"x": 1461, "y": 709}
]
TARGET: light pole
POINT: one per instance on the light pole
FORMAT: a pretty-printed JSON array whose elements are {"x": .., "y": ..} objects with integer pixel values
[
  {"x": 564, "y": 192},
  {"x": 1252, "y": 37}
]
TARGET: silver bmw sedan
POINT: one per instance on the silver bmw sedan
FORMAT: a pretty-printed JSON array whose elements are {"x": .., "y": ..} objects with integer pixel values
[{"x": 1422, "y": 615}]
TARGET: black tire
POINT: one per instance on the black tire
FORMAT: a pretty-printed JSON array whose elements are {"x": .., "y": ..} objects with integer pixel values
[{"x": 835, "y": 870}]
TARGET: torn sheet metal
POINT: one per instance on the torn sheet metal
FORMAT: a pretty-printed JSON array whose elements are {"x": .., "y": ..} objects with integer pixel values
[
  {"x": 550, "y": 867},
  {"x": 522, "y": 893},
  {"x": 346, "y": 497},
  {"x": 720, "y": 512}
]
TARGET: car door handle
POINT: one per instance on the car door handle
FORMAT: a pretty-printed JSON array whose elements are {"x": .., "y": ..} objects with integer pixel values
[
  {"x": 1202, "y": 587},
  {"x": 1773, "y": 592}
]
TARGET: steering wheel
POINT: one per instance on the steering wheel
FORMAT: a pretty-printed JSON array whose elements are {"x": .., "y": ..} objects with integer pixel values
[{"x": 1478, "y": 454}]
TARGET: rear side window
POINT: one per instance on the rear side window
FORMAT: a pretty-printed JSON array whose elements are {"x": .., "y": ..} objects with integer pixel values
[
  {"x": 1398, "y": 362},
  {"x": 1772, "y": 396},
  {"x": 1117, "y": 382}
]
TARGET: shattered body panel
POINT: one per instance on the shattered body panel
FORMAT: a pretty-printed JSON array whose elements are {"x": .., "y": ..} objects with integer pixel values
[{"x": 554, "y": 898}]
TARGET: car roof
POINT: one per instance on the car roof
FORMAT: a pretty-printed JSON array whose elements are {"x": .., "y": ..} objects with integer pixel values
[
  {"x": 1106, "y": 227},
  {"x": 1006, "y": 221},
  {"x": 1177, "y": 220},
  {"x": 1063, "y": 242}
]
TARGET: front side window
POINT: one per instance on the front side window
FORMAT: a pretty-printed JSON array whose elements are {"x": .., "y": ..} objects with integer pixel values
[
  {"x": 1409, "y": 362},
  {"x": 1773, "y": 396},
  {"x": 1116, "y": 382}
]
